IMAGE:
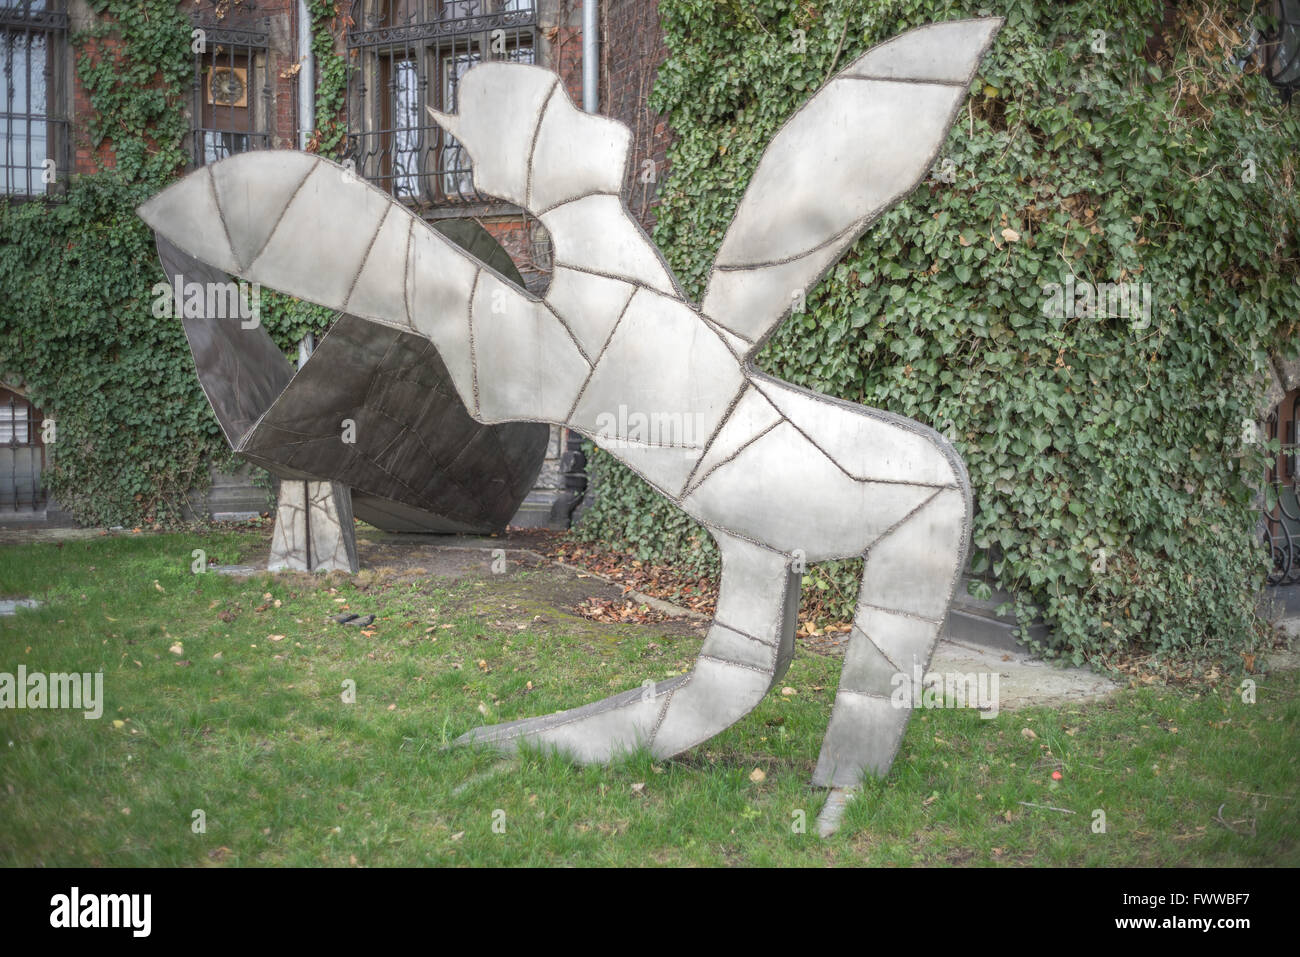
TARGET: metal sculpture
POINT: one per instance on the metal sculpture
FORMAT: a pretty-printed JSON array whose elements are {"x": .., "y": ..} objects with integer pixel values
[
  {"x": 778, "y": 474},
  {"x": 410, "y": 457}
]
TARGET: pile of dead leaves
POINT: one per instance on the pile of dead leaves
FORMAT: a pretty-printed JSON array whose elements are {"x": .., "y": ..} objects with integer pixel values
[
  {"x": 697, "y": 592},
  {"x": 617, "y": 610}
]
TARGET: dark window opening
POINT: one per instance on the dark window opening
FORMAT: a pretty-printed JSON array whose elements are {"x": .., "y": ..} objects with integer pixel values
[{"x": 22, "y": 454}]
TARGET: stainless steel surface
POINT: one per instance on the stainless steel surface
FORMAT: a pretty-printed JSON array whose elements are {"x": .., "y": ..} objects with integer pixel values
[{"x": 777, "y": 474}]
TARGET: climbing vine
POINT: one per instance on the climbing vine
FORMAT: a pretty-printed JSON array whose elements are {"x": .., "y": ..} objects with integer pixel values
[
  {"x": 1112, "y": 141},
  {"x": 331, "y": 79},
  {"x": 133, "y": 431}
]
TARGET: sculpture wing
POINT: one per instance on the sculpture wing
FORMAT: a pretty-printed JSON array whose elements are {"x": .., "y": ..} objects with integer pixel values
[{"x": 857, "y": 147}]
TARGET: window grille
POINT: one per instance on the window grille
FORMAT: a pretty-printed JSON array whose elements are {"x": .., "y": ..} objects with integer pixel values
[
  {"x": 22, "y": 455},
  {"x": 34, "y": 152},
  {"x": 405, "y": 55},
  {"x": 232, "y": 106}
]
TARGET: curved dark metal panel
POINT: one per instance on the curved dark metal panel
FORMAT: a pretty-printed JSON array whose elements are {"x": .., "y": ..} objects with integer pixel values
[
  {"x": 415, "y": 442},
  {"x": 242, "y": 371}
]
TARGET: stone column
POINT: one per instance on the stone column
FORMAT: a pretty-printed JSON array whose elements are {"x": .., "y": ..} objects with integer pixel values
[{"x": 314, "y": 530}]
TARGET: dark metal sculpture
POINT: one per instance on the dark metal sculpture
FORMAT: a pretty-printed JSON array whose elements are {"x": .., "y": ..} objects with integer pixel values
[{"x": 412, "y": 455}]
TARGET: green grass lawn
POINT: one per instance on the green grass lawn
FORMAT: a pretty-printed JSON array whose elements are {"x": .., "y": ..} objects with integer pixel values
[{"x": 206, "y": 710}]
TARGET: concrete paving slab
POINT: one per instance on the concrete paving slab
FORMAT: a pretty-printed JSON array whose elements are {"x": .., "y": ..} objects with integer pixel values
[
  {"x": 10, "y": 606},
  {"x": 1023, "y": 681}
]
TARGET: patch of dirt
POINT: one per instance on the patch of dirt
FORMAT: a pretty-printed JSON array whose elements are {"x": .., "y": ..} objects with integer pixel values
[
  {"x": 699, "y": 593},
  {"x": 512, "y": 585},
  {"x": 448, "y": 561}
]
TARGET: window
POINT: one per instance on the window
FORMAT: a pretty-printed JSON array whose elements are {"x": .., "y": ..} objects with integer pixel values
[
  {"x": 22, "y": 454},
  {"x": 408, "y": 54},
  {"x": 1282, "y": 47},
  {"x": 33, "y": 122},
  {"x": 232, "y": 93},
  {"x": 15, "y": 423}
]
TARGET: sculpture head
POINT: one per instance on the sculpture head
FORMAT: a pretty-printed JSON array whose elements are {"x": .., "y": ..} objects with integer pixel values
[{"x": 502, "y": 106}]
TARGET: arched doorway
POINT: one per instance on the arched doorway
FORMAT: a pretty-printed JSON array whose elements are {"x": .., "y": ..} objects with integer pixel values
[{"x": 22, "y": 458}]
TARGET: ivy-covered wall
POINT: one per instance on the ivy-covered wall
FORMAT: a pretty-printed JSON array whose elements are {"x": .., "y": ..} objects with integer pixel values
[
  {"x": 1109, "y": 141},
  {"x": 133, "y": 431}
]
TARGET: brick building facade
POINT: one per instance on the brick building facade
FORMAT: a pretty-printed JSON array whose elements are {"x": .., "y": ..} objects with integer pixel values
[{"x": 401, "y": 56}]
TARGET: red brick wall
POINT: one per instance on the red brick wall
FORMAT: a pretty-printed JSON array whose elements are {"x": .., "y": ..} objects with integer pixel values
[
  {"x": 566, "y": 60},
  {"x": 281, "y": 119},
  {"x": 84, "y": 158}
]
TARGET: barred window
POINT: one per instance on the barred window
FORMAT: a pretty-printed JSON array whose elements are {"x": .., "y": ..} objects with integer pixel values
[
  {"x": 405, "y": 55},
  {"x": 33, "y": 104},
  {"x": 22, "y": 454},
  {"x": 232, "y": 92}
]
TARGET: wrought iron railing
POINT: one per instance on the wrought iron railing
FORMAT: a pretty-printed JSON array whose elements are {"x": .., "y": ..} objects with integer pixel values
[{"x": 404, "y": 55}]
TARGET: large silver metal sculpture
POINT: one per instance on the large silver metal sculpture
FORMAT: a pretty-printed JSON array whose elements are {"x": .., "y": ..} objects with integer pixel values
[{"x": 779, "y": 475}]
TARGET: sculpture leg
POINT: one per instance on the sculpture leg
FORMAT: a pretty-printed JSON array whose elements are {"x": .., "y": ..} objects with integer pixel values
[
  {"x": 747, "y": 650},
  {"x": 314, "y": 530},
  {"x": 907, "y": 584}
]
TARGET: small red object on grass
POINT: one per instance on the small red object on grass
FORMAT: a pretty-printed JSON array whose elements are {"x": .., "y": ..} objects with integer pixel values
[{"x": 1056, "y": 775}]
